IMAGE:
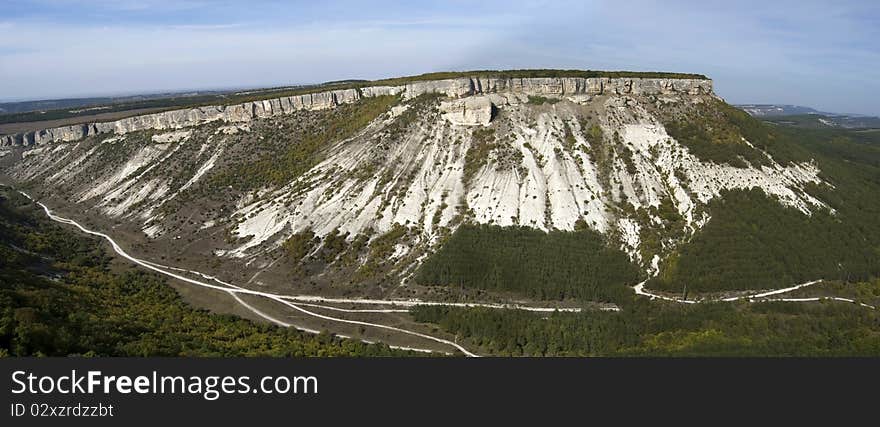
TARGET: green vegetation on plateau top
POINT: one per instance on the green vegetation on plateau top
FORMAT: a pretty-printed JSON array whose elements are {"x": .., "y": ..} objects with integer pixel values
[
  {"x": 59, "y": 297},
  {"x": 236, "y": 98}
]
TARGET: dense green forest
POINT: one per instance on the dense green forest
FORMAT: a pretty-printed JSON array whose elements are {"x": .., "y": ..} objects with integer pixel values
[
  {"x": 656, "y": 328},
  {"x": 59, "y": 297},
  {"x": 557, "y": 265},
  {"x": 753, "y": 242}
]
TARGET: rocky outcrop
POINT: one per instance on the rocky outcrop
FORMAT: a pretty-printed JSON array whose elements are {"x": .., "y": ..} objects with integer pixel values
[
  {"x": 470, "y": 111},
  {"x": 175, "y": 136},
  {"x": 453, "y": 88}
]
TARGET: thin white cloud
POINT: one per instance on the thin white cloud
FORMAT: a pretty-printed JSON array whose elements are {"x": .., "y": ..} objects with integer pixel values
[{"x": 115, "y": 60}]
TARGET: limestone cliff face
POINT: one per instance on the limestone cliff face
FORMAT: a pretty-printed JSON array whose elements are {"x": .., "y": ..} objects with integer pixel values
[
  {"x": 596, "y": 155},
  {"x": 176, "y": 119},
  {"x": 468, "y": 111},
  {"x": 454, "y": 88}
]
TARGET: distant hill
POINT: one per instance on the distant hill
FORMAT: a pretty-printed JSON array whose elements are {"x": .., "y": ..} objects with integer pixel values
[
  {"x": 764, "y": 110},
  {"x": 94, "y": 103},
  {"x": 800, "y": 116},
  {"x": 816, "y": 121}
]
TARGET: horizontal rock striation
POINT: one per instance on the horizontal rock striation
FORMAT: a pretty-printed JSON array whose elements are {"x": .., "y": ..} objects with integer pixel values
[
  {"x": 558, "y": 86},
  {"x": 176, "y": 119},
  {"x": 454, "y": 88},
  {"x": 469, "y": 111}
]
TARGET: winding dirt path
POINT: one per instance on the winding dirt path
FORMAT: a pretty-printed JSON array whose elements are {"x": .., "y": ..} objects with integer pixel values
[
  {"x": 297, "y": 302},
  {"x": 235, "y": 290},
  {"x": 640, "y": 290}
]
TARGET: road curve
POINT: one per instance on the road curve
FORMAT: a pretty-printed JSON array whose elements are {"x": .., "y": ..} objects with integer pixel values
[
  {"x": 309, "y": 300},
  {"x": 313, "y": 331},
  {"x": 238, "y": 290},
  {"x": 762, "y": 297}
]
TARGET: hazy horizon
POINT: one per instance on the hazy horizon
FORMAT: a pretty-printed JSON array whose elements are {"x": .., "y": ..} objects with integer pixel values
[
  {"x": 233, "y": 89},
  {"x": 800, "y": 53}
]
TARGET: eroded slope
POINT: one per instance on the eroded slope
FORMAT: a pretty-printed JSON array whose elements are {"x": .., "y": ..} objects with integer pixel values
[{"x": 356, "y": 197}]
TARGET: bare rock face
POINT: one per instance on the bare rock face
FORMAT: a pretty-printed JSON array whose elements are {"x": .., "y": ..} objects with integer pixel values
[
  {"x": 582, "y": 99},
  {"x": 454, "y": 88},
  {"x": 174, "y": 136},
  {"x": 471, "y": 111},
  {"x": 538, "y": 173},
  {"x": 382, "y": 90},
  {"x": 468, "y": 113}
]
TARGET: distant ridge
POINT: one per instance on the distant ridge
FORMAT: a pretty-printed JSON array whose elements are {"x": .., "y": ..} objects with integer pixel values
[
  {"x": 454, "y": 85},
  {"x": 807, "y": 117}
]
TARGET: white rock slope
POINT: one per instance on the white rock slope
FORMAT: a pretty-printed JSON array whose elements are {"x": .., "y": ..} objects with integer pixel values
[{"x": 484, "y": 152}]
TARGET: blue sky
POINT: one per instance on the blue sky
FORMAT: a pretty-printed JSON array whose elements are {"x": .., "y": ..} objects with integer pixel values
[{"x": 820, "y": 54}]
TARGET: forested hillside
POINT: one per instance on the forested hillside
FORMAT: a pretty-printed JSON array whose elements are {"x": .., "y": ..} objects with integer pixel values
[
  {"x": 752, "y": 242},
  {"x": 527, "y": 194},
  {"x": 652, "y": 328},
  {"x": 60, "y": 297},
  {"x": 557, "y": 265}
]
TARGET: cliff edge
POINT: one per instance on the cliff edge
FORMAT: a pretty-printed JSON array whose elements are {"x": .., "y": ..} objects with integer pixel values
[{"x": 453, "y": 88}]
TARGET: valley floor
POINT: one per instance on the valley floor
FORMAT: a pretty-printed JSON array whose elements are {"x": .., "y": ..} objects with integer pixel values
[
  {"x": 378, "y": 320},
  {"x": 516, "y": 229},
  {"x": 277, "y": 309}
]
